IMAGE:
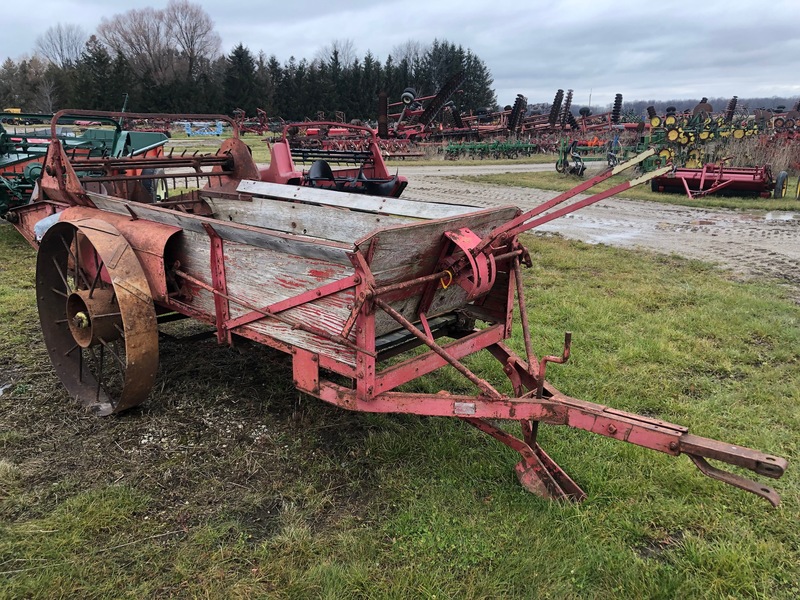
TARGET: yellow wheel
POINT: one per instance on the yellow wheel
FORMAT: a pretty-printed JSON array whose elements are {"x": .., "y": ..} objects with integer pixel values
[
  {"x": 673, "y": 135},
  {"x": 670, "y": 120},
  {"x": 704, "y": 135},
  {"x": 655, "y": 122},
  {"x": 738, "y": 134}
]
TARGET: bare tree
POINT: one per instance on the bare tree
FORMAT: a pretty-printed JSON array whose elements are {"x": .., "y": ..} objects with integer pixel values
[
  {"x": 346, "y": 50},
  {"x": 62, "y": 44},
  {"x": 411, "y": 50},
  {"x": 142, "y": 36},
  {"x": 46, "y": 95},
  {"x": 192, "y": 30},
  {"x": 155, "y": 41}
]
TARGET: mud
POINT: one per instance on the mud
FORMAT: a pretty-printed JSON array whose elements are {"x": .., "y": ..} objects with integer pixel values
[{"x": 752, "y": 244}]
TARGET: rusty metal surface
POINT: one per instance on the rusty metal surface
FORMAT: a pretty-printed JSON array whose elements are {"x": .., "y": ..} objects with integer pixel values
[{"x": 77, "y": 261}]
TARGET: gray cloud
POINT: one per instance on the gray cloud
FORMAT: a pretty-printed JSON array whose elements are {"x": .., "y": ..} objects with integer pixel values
[{"x": 644, "y": 50}]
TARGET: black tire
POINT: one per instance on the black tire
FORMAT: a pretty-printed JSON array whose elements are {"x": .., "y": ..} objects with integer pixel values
[
  {"x": 781, "y": 185},
  {"x": 153, "y": 185},
  {"x": 560, "y": 166},
  {"x": 408, "y": 96}
]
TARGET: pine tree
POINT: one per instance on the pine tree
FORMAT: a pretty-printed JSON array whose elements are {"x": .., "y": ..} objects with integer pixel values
[
  {"x": 240, "y": 90},
  {"x": 94, "y": 75}
]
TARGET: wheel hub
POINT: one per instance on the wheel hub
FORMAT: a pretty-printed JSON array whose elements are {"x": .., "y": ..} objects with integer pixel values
[{"x": 93, "y": 317}]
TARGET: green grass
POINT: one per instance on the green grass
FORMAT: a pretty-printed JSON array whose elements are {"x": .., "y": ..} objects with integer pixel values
[
  {"x": 559, "y": 182},
  {"x": 227, "y": 484}
]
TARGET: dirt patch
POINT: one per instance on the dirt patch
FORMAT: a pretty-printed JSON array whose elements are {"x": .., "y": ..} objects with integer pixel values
[{"x": 223, "y": 435}]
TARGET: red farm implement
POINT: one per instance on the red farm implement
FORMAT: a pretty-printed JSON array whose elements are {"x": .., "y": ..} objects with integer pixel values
[
  {"x": 258, "y": 125},
  {"x": 353, "y": 149},
  {"x": 719, "y": 179},
  {"x": 339, "y": 282},
  {"x": 416, "y": 117}
]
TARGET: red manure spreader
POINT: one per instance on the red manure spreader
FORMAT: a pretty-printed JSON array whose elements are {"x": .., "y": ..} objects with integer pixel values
[{"x": 344, "y": 284}]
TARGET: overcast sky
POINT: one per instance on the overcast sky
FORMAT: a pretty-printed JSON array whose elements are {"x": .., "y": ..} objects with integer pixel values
[{"x": 644, "y": 49}]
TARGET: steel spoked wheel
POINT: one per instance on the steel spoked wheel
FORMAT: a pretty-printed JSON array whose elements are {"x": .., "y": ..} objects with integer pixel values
[{"x": 97, "y": 316}]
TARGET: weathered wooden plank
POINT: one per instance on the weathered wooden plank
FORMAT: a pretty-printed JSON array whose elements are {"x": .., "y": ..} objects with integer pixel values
[
  {"x": 312, "y": 248},
  {"x": 400, "y": 253},
  {"x": 262, "y": 277},
  {"x": 326, "y": 222},
  {"x": 361, "y": 202},
  {"x": 403, "y": 253}
]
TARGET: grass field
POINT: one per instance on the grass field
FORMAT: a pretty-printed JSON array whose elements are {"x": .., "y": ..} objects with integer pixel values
[{"x": 227, "y": 484}]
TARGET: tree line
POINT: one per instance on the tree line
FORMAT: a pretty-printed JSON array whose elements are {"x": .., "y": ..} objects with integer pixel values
[{"x": 170, "y": 60}]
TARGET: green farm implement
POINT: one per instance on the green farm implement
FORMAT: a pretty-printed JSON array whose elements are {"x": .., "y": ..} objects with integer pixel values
[{"x": 23, "y": 146}]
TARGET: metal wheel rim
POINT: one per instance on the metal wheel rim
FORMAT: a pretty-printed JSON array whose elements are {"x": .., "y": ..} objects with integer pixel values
[{"x": 110, "y": 375}]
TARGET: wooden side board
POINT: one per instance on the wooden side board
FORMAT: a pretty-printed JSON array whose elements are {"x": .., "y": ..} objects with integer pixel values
[
  {"x": 356, "y": 202},
  {"x": 325, "y": 222},
  {"x": 262, "y": 277}
]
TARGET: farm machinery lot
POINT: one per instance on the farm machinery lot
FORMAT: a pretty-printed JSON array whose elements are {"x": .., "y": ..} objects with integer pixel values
[{"x": 238, "y": 486}]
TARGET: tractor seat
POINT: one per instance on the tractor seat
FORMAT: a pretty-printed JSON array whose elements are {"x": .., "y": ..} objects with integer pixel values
[{"x": 320, "y": 171}]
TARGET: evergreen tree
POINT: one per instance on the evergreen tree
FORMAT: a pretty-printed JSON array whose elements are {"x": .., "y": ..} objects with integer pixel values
[
  {"x": 240, "y": 89},
  {"x": 275, "y": 75},
  {"x": 8, "y": 78},
  {"x": 94, "y": 75},
  {"x": 478, "y": 91},
  {"x": 370, "y": 87}
]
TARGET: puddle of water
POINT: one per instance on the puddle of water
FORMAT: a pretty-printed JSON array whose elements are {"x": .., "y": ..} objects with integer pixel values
[
  {"x": 781, "y": 216},
  {"x": 610, "y": 238}
]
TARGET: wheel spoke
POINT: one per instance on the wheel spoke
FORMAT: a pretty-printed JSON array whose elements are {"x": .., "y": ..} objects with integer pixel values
[
  {"x": 100, "y": 373},
  {"x": 63, "y": 278},
  {"x": 75, "y": 260},
  {"x": 99, "y": 268},
  {"x": 114, "y": 354}
]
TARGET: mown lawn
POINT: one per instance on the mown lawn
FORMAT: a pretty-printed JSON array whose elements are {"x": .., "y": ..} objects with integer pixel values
[{"x": 226, "y": 484}]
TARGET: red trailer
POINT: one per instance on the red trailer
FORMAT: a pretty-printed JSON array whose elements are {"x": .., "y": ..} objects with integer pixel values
[
  {"x": 344, "y": 285},
  {"x": 719, "y": 179}
]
